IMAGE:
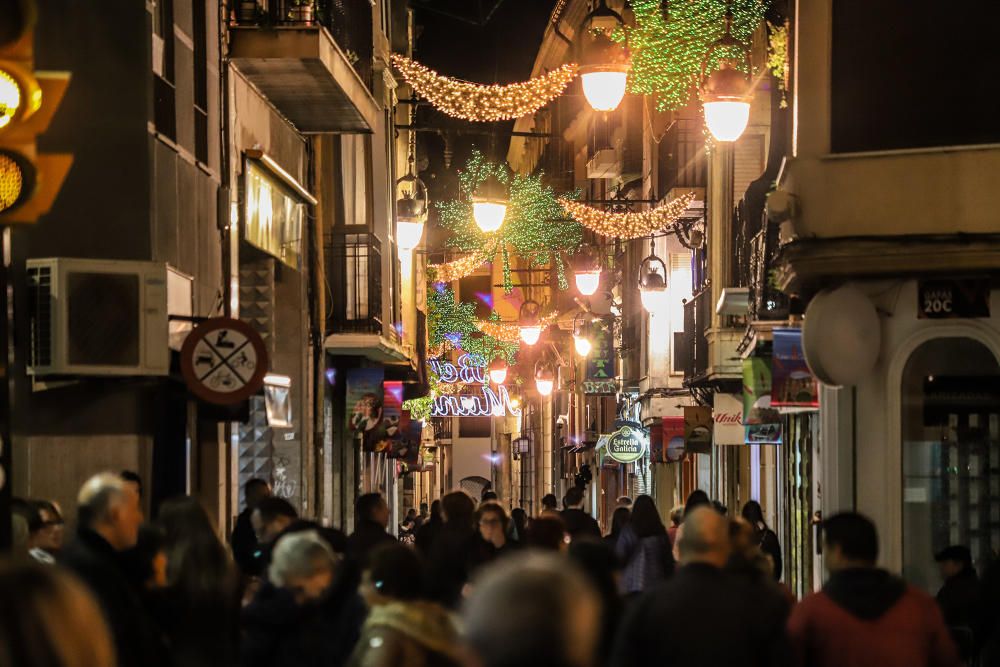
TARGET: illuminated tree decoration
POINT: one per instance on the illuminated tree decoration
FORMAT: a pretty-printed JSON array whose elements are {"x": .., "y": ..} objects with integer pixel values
[
  {"x": 473, "y": 101},
  {"x": 529, "y": 231},
  {"x": 628, "y": 225},
  {"x": 669, "y": 40},
  {"x": 453, "y": 325},
  {"x": 447, "y": 272}
]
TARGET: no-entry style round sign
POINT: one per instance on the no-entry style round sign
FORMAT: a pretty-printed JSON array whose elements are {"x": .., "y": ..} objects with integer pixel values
[{"x": 224, "y": 361}]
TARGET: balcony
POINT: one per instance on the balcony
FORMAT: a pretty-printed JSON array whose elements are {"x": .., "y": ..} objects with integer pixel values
[
  {"x": 697, "y": 321},
  {"x": 313, "y": 62},
  {"x": 354, "y": 325}
]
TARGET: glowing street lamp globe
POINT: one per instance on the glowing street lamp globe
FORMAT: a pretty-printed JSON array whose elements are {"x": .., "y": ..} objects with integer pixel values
[
  {"x": 545, "y": 381},
  {"x": 530, "y": 334},
  {"x": 604, "y": 87},
  {"x": 582, "y": 345},
  {"x": 653, "y": 283},
  {"x": 727, "y": 103},
  {"x": 498, "y": 371},
  {"x": 489, "y": 205},
  {"x": 587, "y": 282}
]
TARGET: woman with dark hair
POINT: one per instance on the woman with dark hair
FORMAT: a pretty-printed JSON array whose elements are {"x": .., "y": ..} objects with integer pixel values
[
  {"x": 429, "y": 530},
  {"x": 201, "y": 601},
  {"x": 644, "y": 548},
  {"x": 457, "y": 552},
  {"x": 764, "y": 537},
  {"x": 698, "y": 498},
  {"x": 618, "y": 521},
  {"x": 402, "y": 628}
]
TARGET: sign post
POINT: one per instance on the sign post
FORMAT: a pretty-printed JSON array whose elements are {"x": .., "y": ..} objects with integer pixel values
[{"x": 627, "y": 444}]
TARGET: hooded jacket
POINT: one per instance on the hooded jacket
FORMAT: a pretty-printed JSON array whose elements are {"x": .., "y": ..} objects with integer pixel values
[
  {"x": 867, "y": 617},
  {"x": 415, "y": 634}
]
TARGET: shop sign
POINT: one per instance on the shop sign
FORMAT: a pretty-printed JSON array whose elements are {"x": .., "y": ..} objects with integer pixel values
[
  {"x": 470, "y": 370},
  {"x": 727, "y": 416},
  {"x": 954, "y": 298},
  {"x": 792, "y": 383},
  {"x": 628, "y": 442},
  {"x": 600, "y": 376},
  {"x": 698, "y": 429},
  {"x": 224, "y": 361},
  {"x": 273, "y": 216}
]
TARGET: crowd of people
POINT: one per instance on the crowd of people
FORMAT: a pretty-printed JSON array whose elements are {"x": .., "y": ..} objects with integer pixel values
[{"x": 465, "y": 584}]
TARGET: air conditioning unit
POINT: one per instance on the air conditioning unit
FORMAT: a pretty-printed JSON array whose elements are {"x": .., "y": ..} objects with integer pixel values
[{"x": 97, "y": 317}]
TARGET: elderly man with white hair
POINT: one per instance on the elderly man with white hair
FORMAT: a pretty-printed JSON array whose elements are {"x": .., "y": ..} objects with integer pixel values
[{"x": 108, "y": 524}]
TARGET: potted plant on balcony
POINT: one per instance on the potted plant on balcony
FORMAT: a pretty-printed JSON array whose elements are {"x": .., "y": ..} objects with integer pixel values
[{"x": 301, "y": 11}]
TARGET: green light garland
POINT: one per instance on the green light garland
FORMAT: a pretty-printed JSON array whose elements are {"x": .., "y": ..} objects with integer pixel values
[
  {"x": 451, "y": 324},
  {"x": 669, "y": 41},
  {"x": 528, "y": 230}
]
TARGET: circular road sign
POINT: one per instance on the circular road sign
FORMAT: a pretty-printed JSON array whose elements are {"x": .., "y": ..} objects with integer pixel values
[{"x": 224, "y": 361}]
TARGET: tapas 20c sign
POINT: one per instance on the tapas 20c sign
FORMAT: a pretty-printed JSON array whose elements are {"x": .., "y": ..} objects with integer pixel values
[{"x": 470, "y": 370}]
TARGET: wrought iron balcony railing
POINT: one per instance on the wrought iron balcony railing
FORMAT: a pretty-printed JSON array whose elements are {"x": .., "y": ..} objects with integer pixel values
[
  {"x": 697, "y": 321},
  {"x": 354, "y": 270},
  {"x": 349, "y": 22}
]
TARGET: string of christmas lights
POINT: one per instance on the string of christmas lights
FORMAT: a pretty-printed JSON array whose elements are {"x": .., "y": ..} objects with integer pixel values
[
  {"x": 452, "y": 325},
  {"x": 669, "y": 42},
  {"x": 477, "y": 102},
  {"x": 510, "y": 332},
  {"x": 457, "y": 269},
  {"x": 627, "y": 225}
]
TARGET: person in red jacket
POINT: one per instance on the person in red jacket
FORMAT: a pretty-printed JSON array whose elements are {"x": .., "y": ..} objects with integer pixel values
[{"x": 865, "y": 616}]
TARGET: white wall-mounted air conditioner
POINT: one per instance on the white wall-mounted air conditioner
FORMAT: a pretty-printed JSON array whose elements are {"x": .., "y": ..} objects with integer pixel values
[{"x": 97, "y": 317}]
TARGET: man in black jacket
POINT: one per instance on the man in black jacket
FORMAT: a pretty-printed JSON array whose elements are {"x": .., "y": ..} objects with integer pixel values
[
  {"x": 372, "y": 516},
  {"x": 579, "y": 524},
  {"x": 704, "y": 615},
  {"x": 109, "y": 520},
  {"x": 244, "y": 539}
]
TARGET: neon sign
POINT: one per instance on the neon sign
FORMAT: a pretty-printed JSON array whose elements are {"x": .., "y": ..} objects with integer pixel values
[{"x": 470, "y": 370}]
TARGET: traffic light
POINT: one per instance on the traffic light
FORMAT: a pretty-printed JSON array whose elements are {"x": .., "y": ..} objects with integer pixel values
[{"x": 29, "y": 181}]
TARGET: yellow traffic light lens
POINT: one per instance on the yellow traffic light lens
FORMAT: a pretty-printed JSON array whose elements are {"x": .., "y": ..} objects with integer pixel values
[
  {"x": 10, "y": 98},
  {"x": 11, "y": 182}
]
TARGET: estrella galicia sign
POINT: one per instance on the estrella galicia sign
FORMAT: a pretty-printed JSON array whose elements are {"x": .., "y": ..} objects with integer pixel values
[{"x": 628, "y": 442}]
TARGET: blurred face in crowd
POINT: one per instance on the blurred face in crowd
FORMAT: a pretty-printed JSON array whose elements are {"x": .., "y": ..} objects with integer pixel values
[
  {"x": 124, "y": 519},
  {"x": 381, "y": 514},
  {"x": 267, "y": 532},
  {"x": 584, "y": 628},
  {"x": 949, "y": 568},
  {"x": 313, "y": 586},
  {"x": 491, "y": 528},
  {"x": 51, "y": 536},
  {"x": 159, "y": 577}
]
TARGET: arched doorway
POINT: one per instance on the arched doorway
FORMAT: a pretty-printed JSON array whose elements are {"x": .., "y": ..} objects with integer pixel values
[{"x": 950, "y": 393}]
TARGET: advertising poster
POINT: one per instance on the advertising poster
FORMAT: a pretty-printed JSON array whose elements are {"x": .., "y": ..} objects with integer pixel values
[
  {"x": 792, "y": 384},
  {"x": 407, "y": 446},
  {"x": 673, "y": 439},
  {"x": 698, "y": 429},
  {"x": 728, "y": 417},
  {"x": 387, "y": 435},
  {"x": 364, "y": 403}
]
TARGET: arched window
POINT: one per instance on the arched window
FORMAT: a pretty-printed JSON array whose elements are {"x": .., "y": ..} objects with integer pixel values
[{"x": 951, "y": 454}]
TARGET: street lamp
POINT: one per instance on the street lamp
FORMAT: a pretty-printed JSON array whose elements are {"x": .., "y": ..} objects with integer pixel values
[
  {"x": 529, "y": 321},
  {"x": 411, "y": 212},
  {"x": 604, "y": 65},
  {"x": 726, "y": 92},
  {"x": 581, "y": 336},
  {"x": 653, "y": 283},
  {"x": 489, "y": 204},
  {"x": 588, "y": 273},
  {"x": 545, "y": 379},
  {"x": 498, "y": 371}
]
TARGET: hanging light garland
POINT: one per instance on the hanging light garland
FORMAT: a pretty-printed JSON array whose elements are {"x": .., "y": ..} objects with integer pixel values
[
  {"x": 669, "y": 41},
  {"x": 528, "y": 230},
  {"x": 476, "y": 102},
  {"x": 510, "y": 332},
  {"x": 628, "y": 225},
  {"x": 457, "y": 269}
]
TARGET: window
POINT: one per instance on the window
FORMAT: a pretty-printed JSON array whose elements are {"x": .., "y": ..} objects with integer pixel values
[
  {"x": 951, "y": 454},
  {"x": 164, "y": 109},
  {"x": 355, "y": 179},
  {"x": 273, "y": 216}
]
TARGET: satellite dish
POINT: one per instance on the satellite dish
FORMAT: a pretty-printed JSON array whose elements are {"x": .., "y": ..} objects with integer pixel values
[{"x": 841, "y": 336}]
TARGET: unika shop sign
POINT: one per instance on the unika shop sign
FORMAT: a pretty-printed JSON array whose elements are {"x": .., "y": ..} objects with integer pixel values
[
  {"x": 628, "y": 442},
  {"x": 470, "y": 371}
]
